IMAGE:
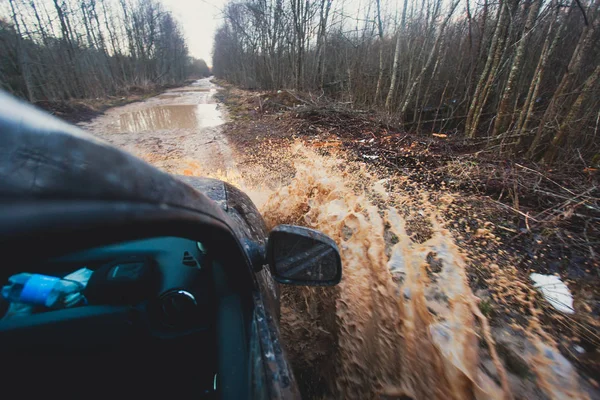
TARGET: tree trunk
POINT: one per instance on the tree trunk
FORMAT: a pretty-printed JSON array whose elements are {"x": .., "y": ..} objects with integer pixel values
[
  {"x": 399, "y": 35},
  {"x": 503, "y": 116},
  {"x": 534, "y": 87},
  {"x": 22, "y": 56},
  {"x": 490, "y": 71},
  {"x": 586, "y": 39},
  {"x": 470, "y": 132},
  {"x": 570, "y": 124},
  {"x": 380, "y": 31},
  {"x": 390, "y": 95},
  {"x": 432, "y": 54},
  {"x": 323, "y": 19}
]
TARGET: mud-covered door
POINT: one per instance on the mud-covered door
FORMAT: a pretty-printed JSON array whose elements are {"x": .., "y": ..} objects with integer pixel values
[{"x": 271, "y": 374}]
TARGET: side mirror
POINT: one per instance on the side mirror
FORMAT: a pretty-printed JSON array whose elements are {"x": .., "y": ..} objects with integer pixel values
[{"x": 303, "y": 256}]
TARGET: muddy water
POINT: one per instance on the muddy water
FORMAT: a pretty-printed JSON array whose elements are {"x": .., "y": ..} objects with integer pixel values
[
  {"x": 175, "y": 130},
  {"x": 171, "y": 117},
  {"x": 403, "y": 321}
]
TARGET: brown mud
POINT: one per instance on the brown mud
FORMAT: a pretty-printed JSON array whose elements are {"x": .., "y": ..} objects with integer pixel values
[{"x": 421, "y": 311}]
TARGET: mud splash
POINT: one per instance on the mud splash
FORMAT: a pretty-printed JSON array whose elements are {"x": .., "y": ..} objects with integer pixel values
[
  {"x": 403, "y": 321},
  {"x": 402, "y": 325}
]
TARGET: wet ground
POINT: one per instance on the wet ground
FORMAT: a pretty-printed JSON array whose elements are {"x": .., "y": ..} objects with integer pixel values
[
  {"x": 177, "y": 131},
  {"x": 404, "y": 321}
]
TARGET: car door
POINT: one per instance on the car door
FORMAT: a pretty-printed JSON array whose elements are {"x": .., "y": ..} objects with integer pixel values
[{"x": 271, "y": 375}]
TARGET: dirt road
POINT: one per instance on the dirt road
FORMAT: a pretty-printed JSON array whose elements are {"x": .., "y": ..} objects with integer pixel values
[{"x": 177, "y": 131}]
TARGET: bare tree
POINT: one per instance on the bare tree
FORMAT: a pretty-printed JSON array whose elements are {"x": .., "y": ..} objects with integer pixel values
[
  {"x": 504, "y": 116},
  {"x": 570, "y": 123},
  {"x": 498, "y": 67},
  {"x": 88, "y": 48},
  {"x": 490, "y": 70},
  {"x": 573, "y": 70},
  {"x": 391, "y": 92},
  {"x": 22, "y": 57},
  {"x": 432, "y": 54},
  {"x": 381, "y": 66}
]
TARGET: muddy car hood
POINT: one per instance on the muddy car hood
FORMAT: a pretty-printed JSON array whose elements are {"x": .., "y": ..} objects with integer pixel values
[{"x": 42, "y": 157}]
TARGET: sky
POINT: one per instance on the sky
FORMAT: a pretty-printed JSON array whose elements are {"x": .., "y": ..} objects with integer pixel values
[{"x": 199, "y": 19}]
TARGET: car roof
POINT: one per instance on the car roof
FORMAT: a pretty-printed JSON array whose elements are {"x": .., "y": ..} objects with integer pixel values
[{"x": 44, "y": 158}]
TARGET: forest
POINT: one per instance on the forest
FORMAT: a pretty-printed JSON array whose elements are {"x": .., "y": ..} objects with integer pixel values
[
  {"x": 56, "y": 50},
  {"x": 520, "y": 75}
]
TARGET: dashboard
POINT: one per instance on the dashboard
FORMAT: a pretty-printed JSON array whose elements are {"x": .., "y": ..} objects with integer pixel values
[
  {"x": 174, "y": 285},
  {"x": 159, "y": 295}
]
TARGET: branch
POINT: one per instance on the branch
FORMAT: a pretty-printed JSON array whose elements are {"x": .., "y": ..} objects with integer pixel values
[{"x": 583, "y": 12}]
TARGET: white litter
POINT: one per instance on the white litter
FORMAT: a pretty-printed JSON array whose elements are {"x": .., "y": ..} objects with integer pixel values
[
  {"x": 554, "y": 291},
  {"x": 370, "y": 157},
  {"x": 579, "y": 349}
]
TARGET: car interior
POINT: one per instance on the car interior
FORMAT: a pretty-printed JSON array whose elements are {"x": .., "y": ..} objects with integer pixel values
[
  {"x": 162, "y": 313},
  {"x": 149, "y": 303}
]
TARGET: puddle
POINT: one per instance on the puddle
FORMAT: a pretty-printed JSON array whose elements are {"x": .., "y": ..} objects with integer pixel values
[
  {"x": 169, "y": 95},
  {"x": 171, "y": 117},
  {"x": 192, "y": 89}
]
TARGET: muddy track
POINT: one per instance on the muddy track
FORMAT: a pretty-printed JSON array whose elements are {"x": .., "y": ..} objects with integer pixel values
[{"x": 178, "y": 131}]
